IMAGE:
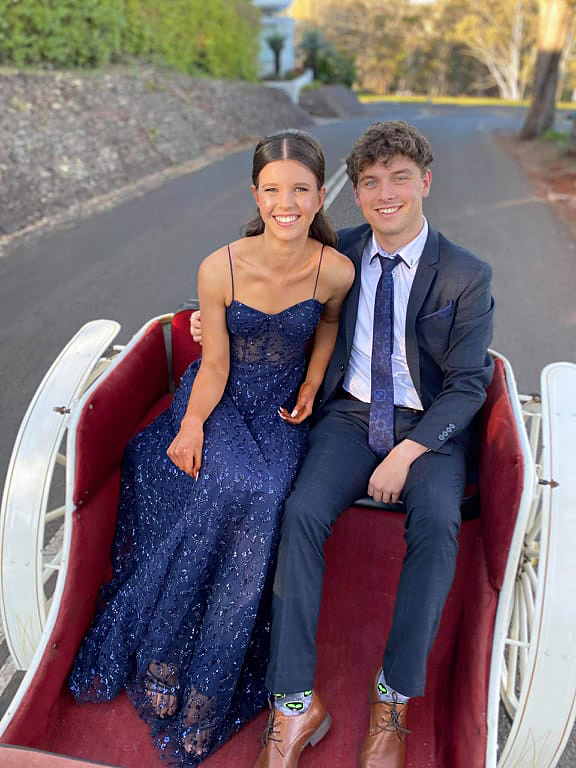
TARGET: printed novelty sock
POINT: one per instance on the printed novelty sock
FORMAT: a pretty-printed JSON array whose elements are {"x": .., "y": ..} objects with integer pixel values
[
  {"x": 293, "y": 703},
  {"x": 386, "y": 693}
]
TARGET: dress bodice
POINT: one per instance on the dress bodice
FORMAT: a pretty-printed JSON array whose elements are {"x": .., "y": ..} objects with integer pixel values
[{"x": 275, "y": 340}]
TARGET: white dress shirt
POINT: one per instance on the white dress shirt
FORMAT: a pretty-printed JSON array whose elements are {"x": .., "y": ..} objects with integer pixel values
[{"x": 357, "y": 379}]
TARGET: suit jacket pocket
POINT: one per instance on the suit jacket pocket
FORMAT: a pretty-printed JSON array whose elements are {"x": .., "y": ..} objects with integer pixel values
[{"x": 447, "y": 311}]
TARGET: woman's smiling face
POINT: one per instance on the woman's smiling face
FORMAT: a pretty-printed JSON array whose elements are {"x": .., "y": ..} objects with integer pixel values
[{"x": 288, "y": 198}]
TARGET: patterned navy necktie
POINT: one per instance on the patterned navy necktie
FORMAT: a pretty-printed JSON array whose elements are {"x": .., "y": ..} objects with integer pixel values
[{"x": 381, "y": 429}]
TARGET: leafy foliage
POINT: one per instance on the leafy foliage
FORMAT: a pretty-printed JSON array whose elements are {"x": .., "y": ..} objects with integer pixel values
[
  {"x": 219, "y": 38},
  {"x": 439, "y": 47},
  {"x": 60, "y": 33},
  {"x": 328, "y": 64}
]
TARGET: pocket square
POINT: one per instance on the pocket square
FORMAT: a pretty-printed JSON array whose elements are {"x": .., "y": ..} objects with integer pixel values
[{"x": 445, "y": 311}]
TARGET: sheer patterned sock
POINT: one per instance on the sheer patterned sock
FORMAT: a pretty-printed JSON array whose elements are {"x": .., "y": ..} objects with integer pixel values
[
  {"x": 293, "y": 703},
  {"x": 386, "y": 693},
  {"x": 198, "y": 723}
]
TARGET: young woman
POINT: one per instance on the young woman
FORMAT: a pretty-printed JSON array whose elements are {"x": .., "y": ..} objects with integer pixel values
[{"x": 184, "y": 626}]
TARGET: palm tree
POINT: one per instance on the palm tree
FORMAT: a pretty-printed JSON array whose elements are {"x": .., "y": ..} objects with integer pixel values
[
  {"x": 312, "y": 45},
  {"x": 276, "y": 43}
]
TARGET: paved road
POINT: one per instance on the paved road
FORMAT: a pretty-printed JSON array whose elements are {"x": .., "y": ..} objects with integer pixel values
[{"x": 141, "y": 258}]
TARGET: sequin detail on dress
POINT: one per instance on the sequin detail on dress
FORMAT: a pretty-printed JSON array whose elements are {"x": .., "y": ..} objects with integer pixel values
[{"x": 184, "y": 623}]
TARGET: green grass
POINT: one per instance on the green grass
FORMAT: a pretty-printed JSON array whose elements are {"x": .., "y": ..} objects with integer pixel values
[
  {"x": 557, "y": 138},
  {"x": 462, "y": 101}
]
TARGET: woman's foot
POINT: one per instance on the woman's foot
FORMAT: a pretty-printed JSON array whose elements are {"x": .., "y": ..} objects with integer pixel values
[
  {"x": 161, "y": 688},
  {"x": 198, "y": 723}
]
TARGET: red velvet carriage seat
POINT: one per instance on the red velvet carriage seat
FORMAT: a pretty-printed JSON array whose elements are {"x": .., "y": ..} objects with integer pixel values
[{"x": 364, "y": 557}]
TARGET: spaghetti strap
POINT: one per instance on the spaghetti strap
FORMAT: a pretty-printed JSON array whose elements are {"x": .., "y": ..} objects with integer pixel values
[
  {"x": 232, "y": 271},
  {"x": 318, "y": 272}
]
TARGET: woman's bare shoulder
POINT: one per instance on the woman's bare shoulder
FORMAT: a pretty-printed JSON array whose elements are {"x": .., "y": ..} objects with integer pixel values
[
  {"x": 215, "y": 260},
  {"x": 214, "y": 271},
  {"x": 340, "y": 268}
]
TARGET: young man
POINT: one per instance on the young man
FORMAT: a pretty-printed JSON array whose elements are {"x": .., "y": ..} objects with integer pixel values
[{"x": 408, "y": 375}]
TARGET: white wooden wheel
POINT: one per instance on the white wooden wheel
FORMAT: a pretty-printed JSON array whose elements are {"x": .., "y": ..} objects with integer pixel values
[
  {"x": 31, "y": 506},
  {"x": 534, "y": 655}
]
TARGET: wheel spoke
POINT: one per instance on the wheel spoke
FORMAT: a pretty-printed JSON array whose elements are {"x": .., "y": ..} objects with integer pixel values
[
  {"x": 51, "y": 566},
  {"x": 523, "y": 636},
  {"x": 527, "y": 589},
  {"x": 510, "y": 665},
  {"x": 55, "y": 514}
]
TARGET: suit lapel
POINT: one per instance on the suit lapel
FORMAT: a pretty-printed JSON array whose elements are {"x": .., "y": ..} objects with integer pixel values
[
  {"x": 425, "y": 274},
  {"x": 350, "y": 310}
]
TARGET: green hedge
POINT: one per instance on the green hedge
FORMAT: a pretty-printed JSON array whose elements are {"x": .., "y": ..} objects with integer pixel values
[
  {"x": 60, "y": 33},
  {"x": 217, "y": 38}
]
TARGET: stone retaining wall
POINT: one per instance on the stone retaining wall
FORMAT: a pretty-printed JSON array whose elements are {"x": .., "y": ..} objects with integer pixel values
[{"x": 66, "y": 137}]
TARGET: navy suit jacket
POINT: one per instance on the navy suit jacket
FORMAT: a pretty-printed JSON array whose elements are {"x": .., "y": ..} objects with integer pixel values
[{"x": 448, "y": 330}]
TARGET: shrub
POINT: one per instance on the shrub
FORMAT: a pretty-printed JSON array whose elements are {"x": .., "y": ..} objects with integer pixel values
[
  {"x": 335, "y": 67},
  {"x": 328, "y": 65},
  {"x": 217, "y": 38},
  {"x": 61, "y": 33}
]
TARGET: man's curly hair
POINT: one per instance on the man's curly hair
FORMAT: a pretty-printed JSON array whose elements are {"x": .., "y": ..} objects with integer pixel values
[{"x": 384, "y": 140}]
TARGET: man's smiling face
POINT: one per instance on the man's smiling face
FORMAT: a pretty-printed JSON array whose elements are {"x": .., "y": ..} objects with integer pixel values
[{"x": 390, "y": 195}]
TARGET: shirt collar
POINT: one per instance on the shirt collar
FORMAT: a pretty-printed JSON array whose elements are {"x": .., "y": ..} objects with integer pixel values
[{"x": 409, "y": 253}]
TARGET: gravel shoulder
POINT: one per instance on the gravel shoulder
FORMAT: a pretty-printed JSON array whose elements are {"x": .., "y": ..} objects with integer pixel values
[{"x": 551, "y": 171}]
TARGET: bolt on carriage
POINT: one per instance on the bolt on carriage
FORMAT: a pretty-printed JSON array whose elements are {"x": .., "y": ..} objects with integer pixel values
[{"x": 506, "y": 647}]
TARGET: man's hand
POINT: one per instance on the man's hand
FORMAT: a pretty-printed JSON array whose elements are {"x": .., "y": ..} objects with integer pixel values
[
  {"x": 196, "y": 327},
  {"x": 389, "y": 477},
  {"x": 303, "y": 407}
]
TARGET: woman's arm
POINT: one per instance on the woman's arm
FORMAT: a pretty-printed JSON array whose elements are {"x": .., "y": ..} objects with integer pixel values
[
  {"x": 338, "y": 276},
  {"x": 186, "y": 448}
]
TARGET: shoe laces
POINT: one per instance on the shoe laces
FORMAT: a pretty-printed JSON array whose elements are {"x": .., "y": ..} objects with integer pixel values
[
  {"x": 390, "y": 721},
  {"x": 271, "y": 732}
]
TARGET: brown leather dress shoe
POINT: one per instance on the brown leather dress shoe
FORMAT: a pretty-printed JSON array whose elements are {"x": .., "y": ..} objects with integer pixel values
[
  {"x": 384, "y": 745},
  {"x": 287, "y": 735}
]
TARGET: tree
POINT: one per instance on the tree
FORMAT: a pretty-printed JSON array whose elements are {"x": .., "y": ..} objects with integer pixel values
[
  {"x": 374, "y": 34},
  {"x": 276, "y": 43},
  {"x": 554, "y": 21},
  {"x": 501, "y": 35},
  {"x": 312, "y": 45}
]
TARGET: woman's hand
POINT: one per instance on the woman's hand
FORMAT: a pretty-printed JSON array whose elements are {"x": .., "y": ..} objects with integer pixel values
[
  {"x": 303, "y": 407},
  {"x": 186, "y": 448}
]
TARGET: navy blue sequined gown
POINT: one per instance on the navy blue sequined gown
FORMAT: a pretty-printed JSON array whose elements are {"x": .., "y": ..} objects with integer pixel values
[{"x": 186, "y": 615}]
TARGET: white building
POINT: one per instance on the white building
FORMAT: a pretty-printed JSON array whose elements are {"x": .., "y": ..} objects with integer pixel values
[{"x": 273, "y": 24}]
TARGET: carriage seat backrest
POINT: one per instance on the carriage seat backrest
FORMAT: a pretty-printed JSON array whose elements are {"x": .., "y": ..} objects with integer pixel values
[
  {"x": 184, "y": 348},
  {"x": 118, "y": 403},
  {"x": 501, "y": 462},
  {"x": 500, "y": 475}
]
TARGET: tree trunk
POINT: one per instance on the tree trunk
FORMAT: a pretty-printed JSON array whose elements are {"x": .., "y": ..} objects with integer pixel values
[
  {"x": 554, "y": 22},
  {"x": 540, "y": 116}
]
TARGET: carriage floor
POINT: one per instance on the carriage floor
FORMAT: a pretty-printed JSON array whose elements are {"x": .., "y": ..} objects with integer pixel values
[{"x": 448, "y": 724}]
